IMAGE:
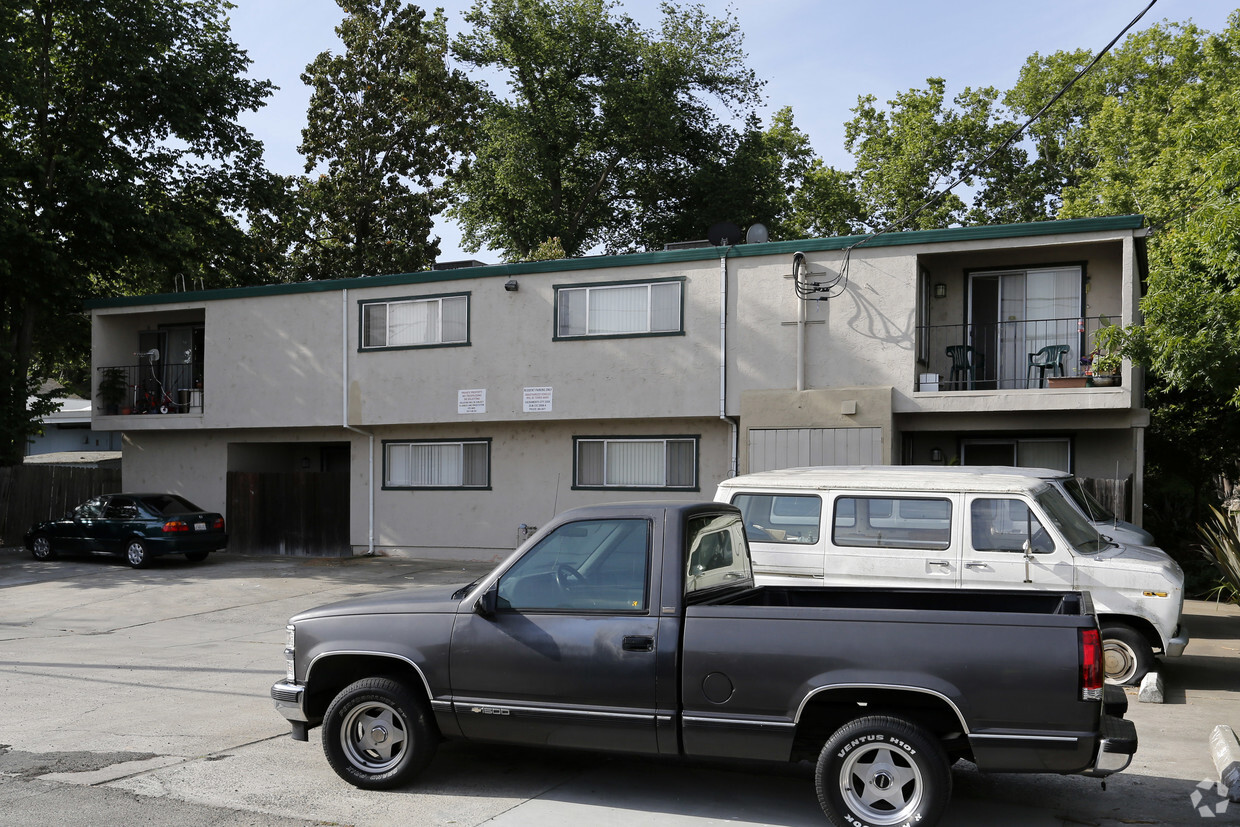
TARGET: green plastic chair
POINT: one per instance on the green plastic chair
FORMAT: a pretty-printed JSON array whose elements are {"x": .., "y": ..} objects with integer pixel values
[
  {"x": 962, "y": 365},
  {"x": 1048, "y": 358}
]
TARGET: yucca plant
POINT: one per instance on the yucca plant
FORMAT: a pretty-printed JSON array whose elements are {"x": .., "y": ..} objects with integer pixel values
[{"x": 1221, "y": 545}]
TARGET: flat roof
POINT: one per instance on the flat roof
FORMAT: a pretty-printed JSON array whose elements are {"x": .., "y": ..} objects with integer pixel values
[{"x": 953, "y": 234}]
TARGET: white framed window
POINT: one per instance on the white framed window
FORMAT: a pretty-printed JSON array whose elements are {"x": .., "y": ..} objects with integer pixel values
[
  {"x": 636, "y": 462},
  {"x": 420, "y": 322},
  {"x": 626, "y": 309},
  {"x": 437, "y": 464}
]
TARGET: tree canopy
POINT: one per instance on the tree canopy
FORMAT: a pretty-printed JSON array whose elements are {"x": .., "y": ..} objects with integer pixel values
[
  {"x": 607, "y": 129},
  {"x": 122, "y": 166},
  {"x": 389, "y": 120}
]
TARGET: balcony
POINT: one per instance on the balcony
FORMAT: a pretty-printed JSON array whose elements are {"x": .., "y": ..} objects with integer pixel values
[
  {"x": 1010, "y": 355},
  {"x": 151, "y": 388}
]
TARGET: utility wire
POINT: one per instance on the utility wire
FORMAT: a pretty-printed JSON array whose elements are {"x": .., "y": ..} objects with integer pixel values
[{"x": 830, "y": 287}]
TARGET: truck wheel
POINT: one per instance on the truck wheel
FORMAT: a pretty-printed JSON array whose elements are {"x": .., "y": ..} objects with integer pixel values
[
  {"x": 1126, "y": 655},
  {"x": 879, "y": 771},
  {"x": 136, "y": 554},
  {"x": 376, "y": 735},
  {"x": 41, "y": 548}
]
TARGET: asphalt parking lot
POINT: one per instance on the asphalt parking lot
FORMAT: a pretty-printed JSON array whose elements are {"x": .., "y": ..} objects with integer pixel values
[{"x": 141, "y": 697}]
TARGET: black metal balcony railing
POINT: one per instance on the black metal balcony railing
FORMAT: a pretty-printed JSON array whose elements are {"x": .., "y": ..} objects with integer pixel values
[
  {"x": 1003, "y": 356},
  {"x": 150, "y": 389}
]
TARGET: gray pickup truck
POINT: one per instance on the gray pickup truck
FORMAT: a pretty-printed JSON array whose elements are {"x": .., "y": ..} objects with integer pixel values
[{"x": 637, "y": 628}]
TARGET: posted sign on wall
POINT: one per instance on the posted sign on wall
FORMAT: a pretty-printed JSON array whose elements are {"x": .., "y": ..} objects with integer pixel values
[
  {"x": 471, "y": 401},
  {"x": 536, "y": 400}
]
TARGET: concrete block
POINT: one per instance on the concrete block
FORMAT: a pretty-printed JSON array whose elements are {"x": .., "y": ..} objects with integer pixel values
[
  {"x": 1151, "y": 688},
  {"x": 1225, "y": 749}
]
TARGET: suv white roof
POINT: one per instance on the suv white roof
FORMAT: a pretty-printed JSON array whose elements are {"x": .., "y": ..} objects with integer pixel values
[{"x": 898, "y": 477}]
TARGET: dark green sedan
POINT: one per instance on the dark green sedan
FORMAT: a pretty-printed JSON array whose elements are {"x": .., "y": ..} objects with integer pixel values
[{"x": 137, "y": 526}]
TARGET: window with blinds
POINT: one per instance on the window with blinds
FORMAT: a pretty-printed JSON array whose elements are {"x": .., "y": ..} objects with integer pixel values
[
  {"x": 422, "y": 322},
  {"x": 636, "y": 463},
  {"x": 628, "y": 309},
  {"x": 437, "y": 464}
]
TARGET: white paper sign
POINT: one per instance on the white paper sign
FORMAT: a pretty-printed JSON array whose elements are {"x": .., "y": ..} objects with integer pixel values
[
  {"x": 471, "y": 401},
  {"x": 536, "y": 400}
]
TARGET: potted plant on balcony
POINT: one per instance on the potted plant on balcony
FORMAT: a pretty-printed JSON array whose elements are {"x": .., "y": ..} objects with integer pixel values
[
  {"x": 112, "y": 389},
  {"x": 1105, "y": 364}
]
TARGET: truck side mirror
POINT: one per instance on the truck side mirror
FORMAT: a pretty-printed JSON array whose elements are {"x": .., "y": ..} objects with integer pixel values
[{"x": 486, "y": 603}]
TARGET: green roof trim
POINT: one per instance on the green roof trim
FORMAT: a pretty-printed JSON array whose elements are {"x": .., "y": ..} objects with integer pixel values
[{"x": 954, "y": 234}]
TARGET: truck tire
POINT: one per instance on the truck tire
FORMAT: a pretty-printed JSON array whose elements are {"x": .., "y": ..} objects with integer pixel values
[
  {"x": 376, "y": 735},
  {"x": 1126, "y": 654},
  {"x": 882, "y": 771}
]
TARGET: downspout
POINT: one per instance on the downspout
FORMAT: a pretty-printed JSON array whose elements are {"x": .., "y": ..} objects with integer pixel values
[
  {"x": 798, "y": 262},
  {"x": 344, "y": 419},
  {"x": 723, "y": 361}
]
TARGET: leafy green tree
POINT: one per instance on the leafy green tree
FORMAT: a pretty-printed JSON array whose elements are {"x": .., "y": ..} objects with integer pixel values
[
  {"x": 907, "y": 155},
  {"x": 121, "y": 162},
  {"x": 605, "y": 125},
  {"x": 1169, "y": 147},
  {"x": 390, "y": 120}
]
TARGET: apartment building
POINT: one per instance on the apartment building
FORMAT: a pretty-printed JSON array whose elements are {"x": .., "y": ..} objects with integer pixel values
[{"x": 461, "y": 407}]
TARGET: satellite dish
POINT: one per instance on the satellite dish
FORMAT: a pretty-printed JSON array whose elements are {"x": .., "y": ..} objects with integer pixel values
[
  {"x": 757, "y": 234},
  {"x": 724, "y": 232}
]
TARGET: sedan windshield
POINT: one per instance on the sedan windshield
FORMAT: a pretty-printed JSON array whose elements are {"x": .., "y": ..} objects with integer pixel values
[{"x": 1075, "y": 529}]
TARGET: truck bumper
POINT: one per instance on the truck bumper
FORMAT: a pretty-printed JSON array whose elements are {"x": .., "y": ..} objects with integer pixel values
[
  {"x": 1175, "y": 646},
  {"x": 1116, "y": 747},
  {"x": 288, "y": 698}
]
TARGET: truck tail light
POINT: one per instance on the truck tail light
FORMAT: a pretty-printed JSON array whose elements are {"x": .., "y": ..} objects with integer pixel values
[
  {"x": 1091, "y": 665},
  {"x": 175, "y": 526}
]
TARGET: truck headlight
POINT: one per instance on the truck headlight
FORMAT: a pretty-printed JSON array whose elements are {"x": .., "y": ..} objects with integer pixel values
[{"x": 290, "y": 653}]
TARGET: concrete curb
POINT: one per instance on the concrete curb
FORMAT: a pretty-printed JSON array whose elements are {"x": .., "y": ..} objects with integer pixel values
[
  {"x": 1151, "y": 691},
  {"x": 1225, "y": 749}
]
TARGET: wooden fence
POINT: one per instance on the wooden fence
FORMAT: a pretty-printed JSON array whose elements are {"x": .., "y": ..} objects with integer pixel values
[
  {"x": 303, "y": 514},
  {"x": 33, "y": 493},
  {"x": 1114, "y": 494}
]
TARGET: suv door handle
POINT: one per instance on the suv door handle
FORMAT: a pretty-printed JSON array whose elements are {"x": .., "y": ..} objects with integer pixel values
[{"x": 638, "y": 643}]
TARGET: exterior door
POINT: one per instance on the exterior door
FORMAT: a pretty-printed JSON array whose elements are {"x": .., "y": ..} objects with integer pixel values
[
  {"x": 572, "y": 620},
  {"x": 994, "y": 550},
  {"x": 1017, "y": 313}
]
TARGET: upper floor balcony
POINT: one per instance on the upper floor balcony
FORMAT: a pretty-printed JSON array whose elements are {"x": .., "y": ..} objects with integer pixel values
[
  {"x": 150, "y": 387},
  {"x": 1009, "y": 355}
]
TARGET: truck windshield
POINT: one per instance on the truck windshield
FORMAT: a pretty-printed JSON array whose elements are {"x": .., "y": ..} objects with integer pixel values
[
  {"x": 717, "y": 554},
  {"x": 1095, "y": 510},
  {"x": 1076, "y": 529}
]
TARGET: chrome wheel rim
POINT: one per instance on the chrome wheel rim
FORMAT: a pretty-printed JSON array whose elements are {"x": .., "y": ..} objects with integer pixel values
[
  {"x": 373, "y": 735},
  {"x": 881, "y": 784},
  {"x": 42, "y": 548}
]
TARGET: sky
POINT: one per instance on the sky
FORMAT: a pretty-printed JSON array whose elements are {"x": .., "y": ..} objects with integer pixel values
[{"x": 816, "y": 56}]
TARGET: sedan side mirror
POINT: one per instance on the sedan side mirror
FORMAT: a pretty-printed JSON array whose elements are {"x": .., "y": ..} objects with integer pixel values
[{"x": 486, "y": 603}]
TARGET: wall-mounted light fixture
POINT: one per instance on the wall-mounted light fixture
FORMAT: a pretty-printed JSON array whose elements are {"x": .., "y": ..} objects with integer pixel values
[
  {"x": 511, "y": 286},
  {"x": 940, "y": 291},
  {"x": 936, "y": 454}
]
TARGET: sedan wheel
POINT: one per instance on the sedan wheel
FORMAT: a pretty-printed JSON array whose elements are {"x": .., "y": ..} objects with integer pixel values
[
  {"x": 136, "y": 554},
  {"x": 42, "y": 549}
]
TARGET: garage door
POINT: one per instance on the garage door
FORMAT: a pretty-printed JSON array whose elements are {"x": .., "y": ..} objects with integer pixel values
[{"x": 794, "y": 447}]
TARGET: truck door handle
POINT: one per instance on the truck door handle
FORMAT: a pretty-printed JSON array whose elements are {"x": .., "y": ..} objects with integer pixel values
[
  {"x": 977, "y": 566},
  {"x": 638, "y": 643}
]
